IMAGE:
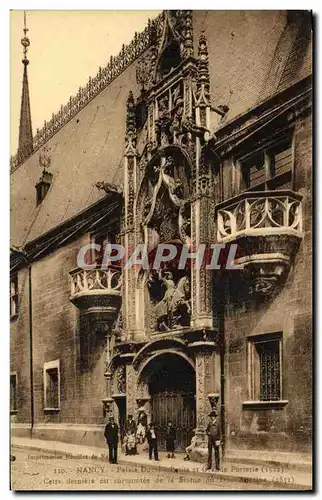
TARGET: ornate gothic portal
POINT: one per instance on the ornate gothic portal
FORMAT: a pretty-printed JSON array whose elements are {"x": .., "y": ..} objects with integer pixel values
[{"x": 170, "y": 344}]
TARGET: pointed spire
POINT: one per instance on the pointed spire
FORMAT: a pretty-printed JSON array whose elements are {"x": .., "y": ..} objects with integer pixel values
[
  {"x": 25, "y": 146},
  {"x": 130, "y": 116},
  {"x": 203, "y": 80},
  {"x": 188, "y": 33}
]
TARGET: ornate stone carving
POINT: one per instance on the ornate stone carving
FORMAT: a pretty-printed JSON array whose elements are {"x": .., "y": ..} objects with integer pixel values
[
  {"x": 163, "y": 123},
  {"x": 213, "y": 400},
  {"x": 173, "y": 310},
  {"x": 120, "y": 376},
  {"x": 130, "y": 389},
  {"x": 166, "y": 207},
  {"x": 188, "y": 34},
  {"x": 108, "y": 187},
  {"x": 97, "y": 292},
  {"x": 203, "y": 80},
  {"x": 269, "y": 231},
  {"x": 200, "y": 391}
]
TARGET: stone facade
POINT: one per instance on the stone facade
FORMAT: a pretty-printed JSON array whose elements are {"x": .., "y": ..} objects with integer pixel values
[{"x": 206, "y": 160}]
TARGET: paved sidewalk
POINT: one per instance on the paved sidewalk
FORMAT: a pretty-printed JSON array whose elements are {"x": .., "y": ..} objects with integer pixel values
[
  {"x": 298, "y": 461},
  {"x": 267, "y": 471}
]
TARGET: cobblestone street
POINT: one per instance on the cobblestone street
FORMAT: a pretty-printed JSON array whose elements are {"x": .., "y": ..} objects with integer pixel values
[{"x": 35, "y": 470}]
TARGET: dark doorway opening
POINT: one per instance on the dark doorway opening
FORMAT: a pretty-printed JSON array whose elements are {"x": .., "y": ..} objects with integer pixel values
[
  {"x": 121, "y": 403},
  {"x": 172, "y": 387}
]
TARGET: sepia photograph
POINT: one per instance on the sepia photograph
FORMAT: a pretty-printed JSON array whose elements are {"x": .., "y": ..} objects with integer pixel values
[{"x": 161, "y": 250}]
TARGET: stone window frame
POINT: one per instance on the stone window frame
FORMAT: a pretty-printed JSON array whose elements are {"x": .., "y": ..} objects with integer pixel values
[
  {"x": 51, "y": 365},
  {"x": 270, "y": 180},
  {"x": 14, "y": 296},
  {"x": 254, "y": 399},
  {"x": 101, "y": 236},
  {"x": 14, "y": 410}
]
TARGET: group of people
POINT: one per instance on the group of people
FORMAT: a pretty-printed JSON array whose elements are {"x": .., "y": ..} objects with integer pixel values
[{"x": 135, "y": 434}]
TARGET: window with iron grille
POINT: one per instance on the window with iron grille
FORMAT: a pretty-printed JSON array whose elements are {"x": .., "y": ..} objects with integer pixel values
[
  {"x": 265, "y": 367},
  {"x": 268, "y": 169},
  {"x": 13, "y": 392},
  {"x": 14, "y": 296},
  {"x": 52, "y": 385}
]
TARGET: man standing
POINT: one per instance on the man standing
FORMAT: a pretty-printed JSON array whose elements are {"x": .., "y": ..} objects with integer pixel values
[
  {"x": 112, "y": 437},
  {"x": 153, "y": 442},
  {"x": 170, "y": 437},
  {"x": 213, "y": 432}
]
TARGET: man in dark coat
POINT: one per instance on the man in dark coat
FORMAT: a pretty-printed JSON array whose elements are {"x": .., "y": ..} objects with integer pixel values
[
  {"x": 214, "y": 436},
  {"x": 170, "y": 437},
  {"x": 111, "y": 434},
  {"x": 152, "y": 438}
]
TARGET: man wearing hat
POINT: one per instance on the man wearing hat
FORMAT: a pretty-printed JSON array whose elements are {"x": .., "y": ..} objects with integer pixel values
[
  {"x": 152, "y": 438},
  {"x": 214, "y": 436},
  {"x": 111, "y": 434}
]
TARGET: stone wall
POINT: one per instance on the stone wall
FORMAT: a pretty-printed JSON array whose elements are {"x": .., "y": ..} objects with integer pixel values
[
  {"x": 58, "y": 333},
  {"x": 289, "y": 312}
]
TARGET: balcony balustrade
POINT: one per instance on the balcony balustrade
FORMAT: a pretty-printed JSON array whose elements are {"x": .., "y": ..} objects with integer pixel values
[
  {"x": 267, "y": 228},
  {"x": 97, "y": 292}
]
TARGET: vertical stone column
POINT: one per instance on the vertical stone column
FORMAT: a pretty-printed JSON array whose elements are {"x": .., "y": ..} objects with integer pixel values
[{"x": 207, "y": 383}]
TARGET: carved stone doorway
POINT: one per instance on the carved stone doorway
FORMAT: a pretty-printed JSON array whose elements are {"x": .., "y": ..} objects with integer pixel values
[
  {"x": 121, "y": 403},
  {"x": 172, "y": 389}
]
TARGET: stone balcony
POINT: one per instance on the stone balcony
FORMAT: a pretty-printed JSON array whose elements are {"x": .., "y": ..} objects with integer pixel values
[
  {"x": 97, "y": 292},
  {"x": 267, "y": 228}
]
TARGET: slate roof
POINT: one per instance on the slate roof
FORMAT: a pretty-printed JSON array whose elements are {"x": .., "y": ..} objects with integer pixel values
[
  {"x": 253, "y": 55},
  {"x": 87, "y": 149}
]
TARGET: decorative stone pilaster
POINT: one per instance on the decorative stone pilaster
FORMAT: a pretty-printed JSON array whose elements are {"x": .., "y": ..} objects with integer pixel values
[
  {"x": 131, "y": 405},
  {"x": 202, "y": 314},
  {"x": 129, "y": 240},
  {"x": 207, "y": 383}
]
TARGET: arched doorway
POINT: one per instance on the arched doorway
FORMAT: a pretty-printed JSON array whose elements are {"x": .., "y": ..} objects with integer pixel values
[{"x": 172, "y": 387}]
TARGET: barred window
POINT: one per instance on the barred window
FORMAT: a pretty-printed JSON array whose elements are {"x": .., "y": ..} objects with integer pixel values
[
  {"x": 265, "y": 362},
  {"x": 14, "y": 297},
  {"x": 13, "y": 392},
  {"x": 268, "y": 169},
  {"x": 52, "y": 385}
]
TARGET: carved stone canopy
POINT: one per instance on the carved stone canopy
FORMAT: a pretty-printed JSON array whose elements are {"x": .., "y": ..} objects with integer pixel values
[{"x": 168, "y": 48}]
